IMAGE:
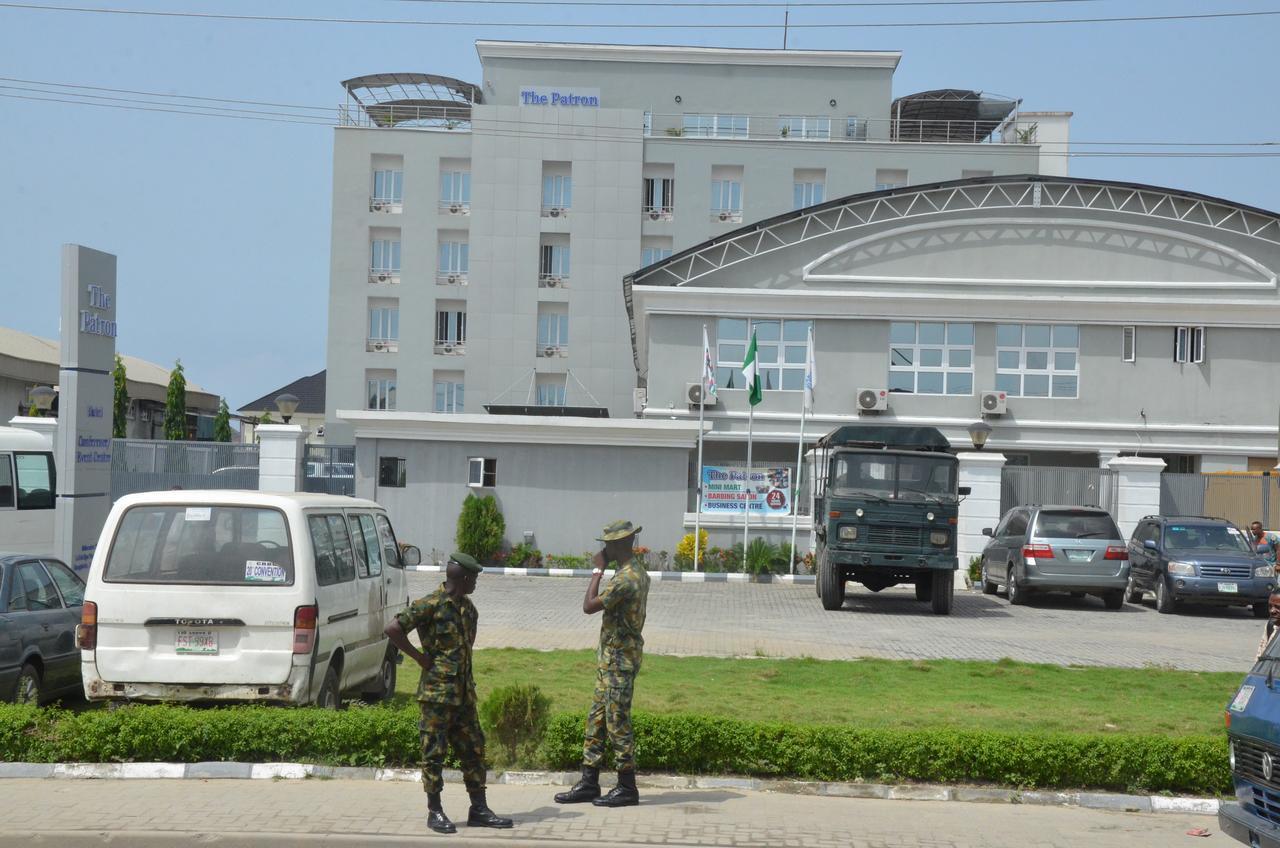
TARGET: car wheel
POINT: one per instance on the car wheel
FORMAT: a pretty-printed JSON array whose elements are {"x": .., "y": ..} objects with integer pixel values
[
  {"x": 1016, "y": 594},
  {"x": 329, "y": 697},
  {"x": 988, "y": 587},
  {"x": 1114, "y": 600},
  {"x": 1164, "y": 598},
  {"x": 1259, "y": 609},
  {"x": 27, "y": 689},
  {"x": 830, "y": 584},
  {"x": 944, "y": 589},
  {"x": 385, "y": 682},
  {"x": 1132, "y": 593},
  {"x": 924, "y": 587}
]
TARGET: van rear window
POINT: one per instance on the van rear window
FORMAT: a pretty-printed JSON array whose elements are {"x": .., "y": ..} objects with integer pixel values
[
  {"x": 201, "y": 544},
  {"x": 1076, "y": 525}
]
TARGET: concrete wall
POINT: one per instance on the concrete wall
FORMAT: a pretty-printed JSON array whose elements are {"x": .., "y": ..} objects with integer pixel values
[{"x": 563, "y": 493}]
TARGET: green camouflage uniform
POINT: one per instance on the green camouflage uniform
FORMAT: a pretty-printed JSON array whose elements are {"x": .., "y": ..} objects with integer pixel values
[
  {"x": 447, "y": 691},
  {"x": 625, "y": 598}
]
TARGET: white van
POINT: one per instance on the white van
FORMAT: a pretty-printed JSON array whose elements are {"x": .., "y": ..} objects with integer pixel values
[
  {"x": 27, "y": 492},
  {"x": 242, "y": 596}
]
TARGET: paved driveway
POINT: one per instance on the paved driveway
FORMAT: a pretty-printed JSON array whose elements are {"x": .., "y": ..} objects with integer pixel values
[{"x": 744, "y": 619}]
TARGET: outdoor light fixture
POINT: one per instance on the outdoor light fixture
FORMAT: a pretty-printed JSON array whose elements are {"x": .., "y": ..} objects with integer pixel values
[
  {"x": 978, "y": 432},
  {"x": 288, "y": 404},
  {"x": 41, "y": 397}
]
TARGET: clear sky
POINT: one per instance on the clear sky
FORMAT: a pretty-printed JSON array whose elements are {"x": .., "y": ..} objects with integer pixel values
[{"x": 222, "y": 226}]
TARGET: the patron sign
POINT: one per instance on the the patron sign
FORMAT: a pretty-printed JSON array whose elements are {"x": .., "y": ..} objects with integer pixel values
[
  {"x": 730, "y": 489},
  {"x": 541, "y": 95}
]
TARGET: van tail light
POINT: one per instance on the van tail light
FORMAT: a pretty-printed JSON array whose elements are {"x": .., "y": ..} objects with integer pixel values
[
  {"x": 87, "y": 632},
  {"x": 304, "y": 628},
  {"x": 1116, "y": 552},
  {"x": 1037, "y": 551}
]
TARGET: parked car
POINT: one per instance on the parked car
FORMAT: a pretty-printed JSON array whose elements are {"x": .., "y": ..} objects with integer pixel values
[
  {"x": 1075, "y": 549},
  {"x": 1253, "y": 739},
  {"x": 40, "y": 601},
  {"x": 243, "y": 596},
  {"x": 1197, "y": 560}
]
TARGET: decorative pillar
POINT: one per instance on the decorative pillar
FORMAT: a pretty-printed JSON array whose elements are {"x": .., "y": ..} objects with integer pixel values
[
  {"x": 280, "y": 448},
  {"x": 46, "y": 427},
  {"x": 981, "y": 472},
  {"x": 1137, "y": 490}
]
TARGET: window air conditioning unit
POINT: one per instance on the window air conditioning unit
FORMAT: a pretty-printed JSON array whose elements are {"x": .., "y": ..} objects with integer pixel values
[
  {"x": 873, "y": 400},
  {"x": 994, "y": 403},
  {"x": 552, "y": 282},
  {"x": 453, "y": 278},
  {"x": 379, "y": 206},
  {"x": 695, "y": 394},
  {"x": 555, "y": 211},
  {"x": 724, "y": 216},
  {"x": 448, "y": 348},
  {"x": 382, "y": 278},
  {"x": 455, "y": 208},
  {"x": 654, "y": 214},
  {"x": 379, "y": 346},
  {"x": 551, "y": 350}
]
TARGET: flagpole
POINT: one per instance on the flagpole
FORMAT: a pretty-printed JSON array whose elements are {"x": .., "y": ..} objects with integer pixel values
[
  {"x": 746, "y": 515},
  {"x": 795, "y": 491},
  {"x": 697, "y": 516}
]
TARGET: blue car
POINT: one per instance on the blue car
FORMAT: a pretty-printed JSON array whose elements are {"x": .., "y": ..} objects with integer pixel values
[
  {"x": 1253, "y": 730},
  {"x": 40, "y": 605},
  {"x": 1196, "y": 560}
]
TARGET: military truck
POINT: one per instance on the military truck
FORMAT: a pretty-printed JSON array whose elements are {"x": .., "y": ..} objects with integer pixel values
[{"x": 885, "y": 512}]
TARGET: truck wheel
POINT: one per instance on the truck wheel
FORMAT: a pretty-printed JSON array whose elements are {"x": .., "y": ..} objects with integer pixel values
[
  {"x": 1017, "y": 595},
  {"x": 830, "y": 585},
  {"x": 924, "y": 587},
  {"x": 942, "y": 592}
]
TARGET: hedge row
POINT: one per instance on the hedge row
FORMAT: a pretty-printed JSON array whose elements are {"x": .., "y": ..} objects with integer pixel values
[{"x": 685, "y": 744}]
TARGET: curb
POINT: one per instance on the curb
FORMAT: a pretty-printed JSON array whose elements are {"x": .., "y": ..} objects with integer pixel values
[
  {"x": 664, "y": 576},
  {"x": 874, "y": 791}
]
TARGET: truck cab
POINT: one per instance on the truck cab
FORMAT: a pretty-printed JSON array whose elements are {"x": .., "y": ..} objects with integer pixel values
[
  {"x": 1253, "y": 736},
  {"x": 886, "y": 509}
]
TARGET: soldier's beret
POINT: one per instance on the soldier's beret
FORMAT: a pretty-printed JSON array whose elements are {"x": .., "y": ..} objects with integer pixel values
[{"x": 466, "y": 561}]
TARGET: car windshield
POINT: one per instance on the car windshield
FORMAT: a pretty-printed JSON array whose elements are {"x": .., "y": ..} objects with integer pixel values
[
  {"x": 1220, "y": 538},
  {"x": 1076, "y": 524},
  {"x": 889, "y": 475},
  {"x": 219, "y": 545}
]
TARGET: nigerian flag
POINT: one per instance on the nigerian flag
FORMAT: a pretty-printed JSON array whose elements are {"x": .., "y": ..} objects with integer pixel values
[{"x": 751, "y": 371}]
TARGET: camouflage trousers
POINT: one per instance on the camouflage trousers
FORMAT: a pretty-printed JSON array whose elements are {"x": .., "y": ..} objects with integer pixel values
[
  {"x": 609, "y": 721},
  {"x": 445, "y": 725}
]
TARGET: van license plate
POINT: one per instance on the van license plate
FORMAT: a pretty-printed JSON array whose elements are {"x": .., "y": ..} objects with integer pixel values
[
  {"x": 1078, "y": 555},
  {"x": 196, "y": 642},
  {"x": 1228, "y": 587}
]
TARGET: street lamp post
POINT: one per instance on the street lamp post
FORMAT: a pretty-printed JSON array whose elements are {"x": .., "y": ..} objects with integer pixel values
[
  {"x": 979, "y": 431},
  {"x": 287, "y": 404}
]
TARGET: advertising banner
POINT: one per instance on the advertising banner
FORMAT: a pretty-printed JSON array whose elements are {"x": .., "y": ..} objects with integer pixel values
[{"x": 728, "y": 489}]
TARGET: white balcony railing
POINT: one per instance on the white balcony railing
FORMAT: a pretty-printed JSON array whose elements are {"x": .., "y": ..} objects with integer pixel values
[
  {"x": 727, "y": 216},
  {"x": 384, "y": 276},
  {"x": 386, "y": 205},
  {"x": 555, "y": 211},
  {"x": 455, "y": 207},
  {"x": 451, "y": 278},
  {"x": 659, "y": 213},
  {"x": 450, "y": 348},
  {"x": 552, "y": 281},
  {"x": 851, "y": 128},
  {"x": 382, "y": 345},
  {"x": 551, "y": 350}
]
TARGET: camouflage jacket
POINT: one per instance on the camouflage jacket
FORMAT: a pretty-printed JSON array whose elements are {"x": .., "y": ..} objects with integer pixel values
[
  {"x": 447, "y": 630},
  {"x": 625, "y": 598}
]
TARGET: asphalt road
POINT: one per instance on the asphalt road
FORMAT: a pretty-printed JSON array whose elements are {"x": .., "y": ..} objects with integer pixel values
[{"x": 777, "y": 620}]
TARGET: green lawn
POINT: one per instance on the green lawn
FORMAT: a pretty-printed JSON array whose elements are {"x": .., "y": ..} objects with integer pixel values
[{"x": 1004, "y": 695}]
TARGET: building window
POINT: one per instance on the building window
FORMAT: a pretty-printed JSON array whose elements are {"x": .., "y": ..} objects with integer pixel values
[
  {"x": 659, "y": 197},
  {"x": 931, "y": 358},
  {"x": 715, "y": 126},
  {"x": 384, "y": 258},
  {"x": 553, "y": 333},
  {"x": 384, "y": 325},
  {"x": 855, "y": 129},
  {"x": 380, "y": 389},
  {"x": 1038, "y": 360},
  {"x": 887, "y": 178},
  {"x": 482, "y": 472},
  {"x": 553, "y": 392},
  {"x": 650, "y": 255},
  {"x": 449, "y": 392},
  {"x": 1129, "y": 344},
  {"x": 391, "y": 472},
  {"x": 726, "y": 193},
  {"x": 388, "y": 186},
  {"x": 1188, "y": 344},
  {"x": 804, "y": 127},
  {"x": 809, "y": 188},
  {"x": 781, "y": 349},
  {"x": 648, "y": 124},
  {"x": 455, "y": 190},
  {"x": 557, "y": 188},
  {"x": 451, "y": 329},
  {"x": 455, "y": 258},
  {"x": 554, "y": 262}
]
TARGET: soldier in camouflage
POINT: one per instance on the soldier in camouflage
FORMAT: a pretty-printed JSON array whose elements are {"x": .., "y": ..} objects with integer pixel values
[
  {"x": 623, "y": 601},
  {"x": 446, "y": 624}
]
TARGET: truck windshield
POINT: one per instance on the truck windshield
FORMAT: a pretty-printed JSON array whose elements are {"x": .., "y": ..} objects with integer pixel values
[{"x": 896, "y": 476}]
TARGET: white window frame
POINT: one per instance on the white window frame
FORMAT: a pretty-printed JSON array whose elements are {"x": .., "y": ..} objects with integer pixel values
[
  {"x": 1129, "y": 344},
  {"x": 1188, "y": 345},
  {"x": 553, "y": 394},
  {"x": 659, "y": 196},
  {"x": 915, "y": 368},
  {"x": 455, "y": 258},
  {"x": 699, "y": 125},
  {"x": 384, "y": 256},
  {"x": 451, "y": 327},
  {"x": 553, "y": 330},
  {"x": 384, "y": 323},
  {"x": 855, "y": 128},
  {"x": 805, "y": 127},
  {"x": 557, "y": 191},
  {"x": 455, "y": 188},
  {"x": 785, "y": 364},
  {"x": 382, "y": 177},
  {"x": 1051, "y": 351},
  {"x": 726, "y": 199},
  {"x": 651, "y": 255},
  {"x": 647, "y": 125},
  {"x": 806, "y": 193},
  {"x": 380, "y": 393},
  {"x": 453, "y": 400},
  {"x": 554, "y": 260},
  {"x": 482, "y": 472},
  {"x": 885, "y": 186}
]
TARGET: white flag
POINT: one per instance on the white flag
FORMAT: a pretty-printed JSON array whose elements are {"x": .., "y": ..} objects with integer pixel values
[
  {"x": 810, "y": 375},
  {"x": 708, "y": 368}
]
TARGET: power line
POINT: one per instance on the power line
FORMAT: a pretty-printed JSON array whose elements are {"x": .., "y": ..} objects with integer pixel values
[
  {"x": 732, "y": 4},
  {"x": 634, "y": 26}
]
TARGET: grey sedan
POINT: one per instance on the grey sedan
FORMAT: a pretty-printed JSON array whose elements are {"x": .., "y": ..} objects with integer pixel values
[{"x": 40, "y": 601}]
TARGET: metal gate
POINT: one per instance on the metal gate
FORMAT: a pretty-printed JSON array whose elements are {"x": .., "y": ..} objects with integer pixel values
[
  {"x": 1066, "y": 486},
  {"x": 329, "y": 469},
  {"x": 1239, "y": 498},
  {"x": 146, "y": 465}
]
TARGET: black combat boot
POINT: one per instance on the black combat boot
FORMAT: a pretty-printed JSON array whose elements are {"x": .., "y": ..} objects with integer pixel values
[
  {"x": 480, "y": 814},
  {"x": 586, "y": 789},
  {"x": 436, "y": 819},
  {"x": 624, "y": 794}
]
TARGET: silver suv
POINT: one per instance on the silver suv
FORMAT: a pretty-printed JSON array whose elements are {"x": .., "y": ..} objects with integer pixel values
[{"x": 1076, "y": 549}]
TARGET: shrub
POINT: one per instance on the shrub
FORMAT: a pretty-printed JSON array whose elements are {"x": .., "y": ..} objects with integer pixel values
[
  {"x": 525, "y": 555},
  {"x": 684, "y": 550},
  {"x": 975, "y": 570},
  {"x": 480, "y": 527},
  {"x": 567, "y": 561},
  {"x": 760, "y": 556},
  {"x": 516, "y": 717}
]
